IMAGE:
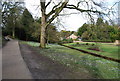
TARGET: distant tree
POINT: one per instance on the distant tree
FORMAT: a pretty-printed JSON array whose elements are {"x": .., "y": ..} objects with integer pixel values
[
  {"x": 106, "y": 23},
  {"x": 82, "y": 29},
  {"x": 27, "y": 22},
  {"x": 85, "y": 35},
  {"x": 99, "y": 22},
  {"x": 36, "y": 31},
  {"x": 114, "y": 32},
  {"x": 10, "y": 15},
  {"x": 53, "y": 35},
  {"x": 100, "y": 31},
  {"x": 64, "y": 34},
  {"x": 0, "y": 14}
]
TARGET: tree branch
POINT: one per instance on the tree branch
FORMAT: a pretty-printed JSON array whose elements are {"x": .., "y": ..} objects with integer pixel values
[
  {"x": 97, "y": 4},
  {"x": 67, "y": 14},
  {"x": 53, "y": 10},
  {"x": 113, "y": 6},
  {"x": 57, "y": 11},
  {"x": 80, "y": 2},
  {"x": 48, "y": 3},
  {"x": 82, "y": 10}
]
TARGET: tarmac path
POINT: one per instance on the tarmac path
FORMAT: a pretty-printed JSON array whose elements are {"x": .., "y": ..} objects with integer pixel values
[{"x": 13, "y": 65}]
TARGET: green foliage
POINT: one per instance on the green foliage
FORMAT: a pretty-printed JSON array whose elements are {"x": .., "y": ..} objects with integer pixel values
[
  {"x": 53, "y": 35},
  {"x": 85, "y": 35},
  {"x": 82, "y": 29},
  {"x": 99, "y": 22},
  {"x": 98, "y": 40},
  {"x": 35, "y": 34},
  {"x": 11, "y": 14},
  {"x": 64, "y": 34},
  {"x": 27, "y": 22},
  {"x": 99, "y": 32},
  {"x": 27, "y": 18},
  {"x": 67, "y": 41},
  {"x": 114, "y": 33}
]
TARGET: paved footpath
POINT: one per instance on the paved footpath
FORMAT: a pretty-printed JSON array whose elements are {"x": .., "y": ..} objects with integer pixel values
[{"x": 13, "y": 65}]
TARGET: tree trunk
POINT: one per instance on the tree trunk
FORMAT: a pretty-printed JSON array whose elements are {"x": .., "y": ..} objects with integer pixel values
[
  {"x": 42, "y": 37},
  {"x": 45, "y": 23},
  {"x": 47, "y": 39},
  {"x": 43, "y": 26},
  {"x": 13, "y": 32}
]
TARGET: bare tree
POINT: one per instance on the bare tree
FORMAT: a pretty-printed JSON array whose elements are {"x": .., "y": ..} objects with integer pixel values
[{"x": 46, "y": 19}]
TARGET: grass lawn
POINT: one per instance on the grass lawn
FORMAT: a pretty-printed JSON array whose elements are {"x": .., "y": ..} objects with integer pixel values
[
  {"x": 98, "y": 67},
  {"x": 107, "y": 49}
]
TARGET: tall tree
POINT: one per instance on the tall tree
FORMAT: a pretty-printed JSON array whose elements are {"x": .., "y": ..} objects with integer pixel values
[
  {"x": 10, "y": 14},
  {"x": 27, "y": 22},
  {"x": 100, "y": 31},
  {"x": 99, "y": 22},
  {"x": 46, "y": 19},
  {"x": 53, "y": 35},
  {"x": 82, "y": 29},
  {"x": 64, "y": 34}
]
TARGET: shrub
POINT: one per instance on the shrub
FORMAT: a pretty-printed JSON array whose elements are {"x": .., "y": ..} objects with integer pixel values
[
  {"x": 69, "y": 41},
  {"x": 77, "y": 43},
  {"x": 75, "y": 40},
  {"x": 87, "y": 44},
  {"x": 97, "y": 40},
  {"x": 93, "y": 44}
]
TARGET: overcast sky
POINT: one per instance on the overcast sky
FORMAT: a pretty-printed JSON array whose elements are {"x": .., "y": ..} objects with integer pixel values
[{"x": 71, "y": 22}]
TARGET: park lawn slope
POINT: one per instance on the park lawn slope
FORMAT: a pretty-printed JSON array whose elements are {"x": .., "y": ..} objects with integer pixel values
[{"x": 80, "y": 62}]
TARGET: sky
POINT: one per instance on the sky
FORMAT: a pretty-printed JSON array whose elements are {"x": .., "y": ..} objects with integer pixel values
[{"x": 71, "y": 22}]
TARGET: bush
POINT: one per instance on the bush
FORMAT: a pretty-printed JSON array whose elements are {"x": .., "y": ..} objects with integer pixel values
[
  {"x": 97, "y": 40},
  {"x": 66, "y": 41},
  {"x": 75, "y": 40},
  {"x": 77, "y": 43},
  {"x": 87, "y": 44}
]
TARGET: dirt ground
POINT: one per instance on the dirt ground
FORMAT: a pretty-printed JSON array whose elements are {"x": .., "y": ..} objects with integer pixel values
[{"x": 43, "y": 67}]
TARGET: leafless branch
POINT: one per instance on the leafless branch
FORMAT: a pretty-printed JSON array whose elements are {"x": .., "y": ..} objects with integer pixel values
[
  {"x": 91, "y": 17},
  {"x": 57, "y": 11},
  {"x": 67, "y": 14},
  {"x": 82, "y": 10},
  {"x": 78, "y": 4},
  {"x": 53, "y": 10},
  {"x": 113, "y": 6},
  {"x": 37, "y": 7},
  {"x": 59, "y": 23},
  {"x": 48, "y": 3},
  {"x": 97, "y": 4}
]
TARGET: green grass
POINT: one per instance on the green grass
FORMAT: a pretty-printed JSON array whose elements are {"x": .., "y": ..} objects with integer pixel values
[
  {"x": 80, "y": 62},
  {"x": 31, "y": 43},
  {"x": 107, "y": 49}
]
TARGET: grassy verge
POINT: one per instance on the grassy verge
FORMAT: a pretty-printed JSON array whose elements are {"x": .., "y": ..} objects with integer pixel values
[
  {"x": 98, "y": 67},
  {"x": 107, "y": 49}
]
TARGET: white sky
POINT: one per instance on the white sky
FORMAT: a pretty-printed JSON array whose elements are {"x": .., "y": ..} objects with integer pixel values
[{"x": 72, "y": 22}]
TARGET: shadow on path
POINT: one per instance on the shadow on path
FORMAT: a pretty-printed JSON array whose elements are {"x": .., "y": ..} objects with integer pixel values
[{"x": 43, "y": 67}]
